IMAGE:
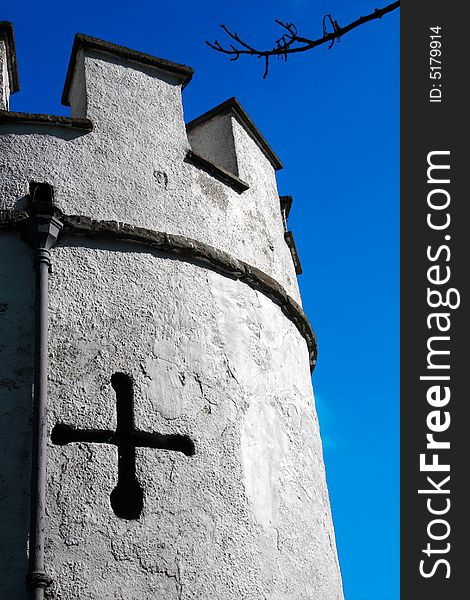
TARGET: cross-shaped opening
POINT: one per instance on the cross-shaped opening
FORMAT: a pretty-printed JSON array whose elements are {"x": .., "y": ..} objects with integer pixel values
[{"x": 127, "y": 496}]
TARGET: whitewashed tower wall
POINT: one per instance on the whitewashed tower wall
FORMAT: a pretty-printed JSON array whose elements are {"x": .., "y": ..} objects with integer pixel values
[{"x": 172, "y": 269}]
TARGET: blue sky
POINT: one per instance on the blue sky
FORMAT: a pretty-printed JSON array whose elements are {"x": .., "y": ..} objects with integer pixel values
[{"x": 333, "y": 118}]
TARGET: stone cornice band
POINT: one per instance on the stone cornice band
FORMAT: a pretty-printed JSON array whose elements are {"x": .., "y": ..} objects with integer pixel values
[
  {"x": 7, "y": 117},
  {"x": 186, "y": 248}
]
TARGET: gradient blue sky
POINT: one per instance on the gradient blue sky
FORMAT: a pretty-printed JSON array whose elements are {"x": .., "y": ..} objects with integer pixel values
[{"x": 333, "y": 118}]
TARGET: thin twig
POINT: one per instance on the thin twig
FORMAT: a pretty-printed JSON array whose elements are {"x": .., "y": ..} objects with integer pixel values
[{"x": 290, "y": 42}]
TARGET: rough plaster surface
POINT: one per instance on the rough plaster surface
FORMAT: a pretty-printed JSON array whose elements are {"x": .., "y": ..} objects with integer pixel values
[
  {"x": 247, "y": 517},
  {"x": 16, "y": 376}
]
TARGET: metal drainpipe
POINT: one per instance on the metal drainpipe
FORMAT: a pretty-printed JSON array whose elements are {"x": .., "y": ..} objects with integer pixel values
[{"x": 40, "y": 231}]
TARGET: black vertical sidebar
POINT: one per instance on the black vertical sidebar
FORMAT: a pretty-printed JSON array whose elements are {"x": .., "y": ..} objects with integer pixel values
[{"x": 435, "y": 331}]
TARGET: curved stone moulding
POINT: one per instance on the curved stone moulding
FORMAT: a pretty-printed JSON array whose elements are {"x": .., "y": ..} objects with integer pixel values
[{"x": 189, "y": 249}]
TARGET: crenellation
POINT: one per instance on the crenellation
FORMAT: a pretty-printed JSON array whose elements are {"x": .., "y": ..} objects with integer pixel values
[
  {"x": 254, "y": 163},
  {"x": 4, "y": 78},
  {"x": 8, "y": 70},
  {"x": 222, "y": 134},
  {"x": 127, "y": 139},
  {"x": 77, "y": 97},
  {"x": 285, "y": 204},
  {"x": 87, "y": 43},
  {"x": 213, "y": 140},
  {"x": 107, "y": 83}
]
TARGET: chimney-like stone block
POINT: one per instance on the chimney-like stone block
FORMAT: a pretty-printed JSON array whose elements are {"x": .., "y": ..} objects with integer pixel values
[
  {"x": 254, "y": 164},
  {"x": 227, "y": 136},
  {"x": 121, "y": 89},
  {"x": 4, "y": 80},
  {"x": 77, "y": 97},
  {"x": 213, "y": 140}
]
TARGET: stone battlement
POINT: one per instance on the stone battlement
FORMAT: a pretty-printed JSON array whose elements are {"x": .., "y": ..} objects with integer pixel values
[{"x": 137, "y": 160}]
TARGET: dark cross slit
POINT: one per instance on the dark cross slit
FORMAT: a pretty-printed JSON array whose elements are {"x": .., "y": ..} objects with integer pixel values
[{"x": 127, "y": 496}]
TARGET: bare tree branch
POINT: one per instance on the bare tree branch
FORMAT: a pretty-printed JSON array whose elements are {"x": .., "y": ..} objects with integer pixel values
[{"x": 290, "y": 42}]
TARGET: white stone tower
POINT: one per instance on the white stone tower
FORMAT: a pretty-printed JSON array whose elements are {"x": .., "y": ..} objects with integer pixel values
[{"x": 175, "y": 447}]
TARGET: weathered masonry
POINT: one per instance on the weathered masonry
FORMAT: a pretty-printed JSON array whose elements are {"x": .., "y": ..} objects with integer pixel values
[{"x": 158, "y": 436}]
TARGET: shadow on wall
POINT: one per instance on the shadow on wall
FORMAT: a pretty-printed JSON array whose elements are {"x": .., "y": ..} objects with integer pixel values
[{"x": 16, "y": 378}]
